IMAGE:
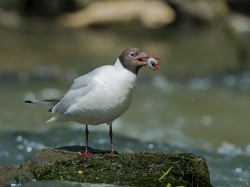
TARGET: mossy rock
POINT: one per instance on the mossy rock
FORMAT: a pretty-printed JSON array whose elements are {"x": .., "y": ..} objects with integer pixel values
[{"x": 130, "y": 169}]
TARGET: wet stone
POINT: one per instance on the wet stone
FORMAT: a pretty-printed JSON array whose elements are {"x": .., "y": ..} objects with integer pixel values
[{"x": 130, "y": 169}]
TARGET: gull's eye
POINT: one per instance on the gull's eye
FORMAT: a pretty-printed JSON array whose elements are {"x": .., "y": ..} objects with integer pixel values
[{"x": 131, "y": 54}]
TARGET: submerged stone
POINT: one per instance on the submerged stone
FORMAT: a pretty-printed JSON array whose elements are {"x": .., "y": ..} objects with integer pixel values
[{"x": 130, "y": 169}]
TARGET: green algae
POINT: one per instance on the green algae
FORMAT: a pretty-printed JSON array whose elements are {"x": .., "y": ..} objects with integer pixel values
[{"x": 129, "y": 169}]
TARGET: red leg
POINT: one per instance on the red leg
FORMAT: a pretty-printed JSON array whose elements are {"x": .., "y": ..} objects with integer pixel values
[
  {"x": 112, "y": 153},
  {"x": 86, "y": 153}
]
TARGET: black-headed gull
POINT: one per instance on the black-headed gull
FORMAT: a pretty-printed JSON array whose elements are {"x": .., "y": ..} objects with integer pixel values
[{"x": 102, "y": 95}]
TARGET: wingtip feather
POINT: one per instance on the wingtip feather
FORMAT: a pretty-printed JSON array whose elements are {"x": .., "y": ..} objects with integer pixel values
[{"x": 28, "y": 101}]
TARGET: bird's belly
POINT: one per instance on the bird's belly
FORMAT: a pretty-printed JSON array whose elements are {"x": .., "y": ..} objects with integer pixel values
[{"x": 104, "y": 109}]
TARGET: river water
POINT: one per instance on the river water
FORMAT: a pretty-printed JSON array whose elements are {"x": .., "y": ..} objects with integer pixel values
[{"x": 191, "y": 105}]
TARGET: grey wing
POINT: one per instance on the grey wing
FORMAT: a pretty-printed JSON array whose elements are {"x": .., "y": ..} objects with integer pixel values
[
  {"x": 81, "y": 86},
  {"x": 86, "y": 79}
]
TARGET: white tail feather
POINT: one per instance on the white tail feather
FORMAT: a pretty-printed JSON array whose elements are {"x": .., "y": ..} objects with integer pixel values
[
  {"x": 51, "y": 120},
  {"x": 59, "y": 118}
]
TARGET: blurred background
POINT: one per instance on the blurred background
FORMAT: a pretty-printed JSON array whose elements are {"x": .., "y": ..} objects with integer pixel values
[{"x": 198, "y": 102}]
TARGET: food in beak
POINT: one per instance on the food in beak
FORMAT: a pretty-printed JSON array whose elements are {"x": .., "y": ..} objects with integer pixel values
[{"x": 153, "y": 63}]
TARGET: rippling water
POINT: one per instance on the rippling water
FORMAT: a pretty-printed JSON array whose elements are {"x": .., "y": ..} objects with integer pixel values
[{"x": 206, "y": 115}]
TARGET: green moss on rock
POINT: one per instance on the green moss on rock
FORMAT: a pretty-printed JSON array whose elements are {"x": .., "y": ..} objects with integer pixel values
[{"x": 131, "y": 169}]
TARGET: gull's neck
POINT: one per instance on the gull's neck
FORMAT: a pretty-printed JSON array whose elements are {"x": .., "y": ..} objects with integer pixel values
[
  {"x": 131, "y": 77},
  {"x": 118, "y": 64}
]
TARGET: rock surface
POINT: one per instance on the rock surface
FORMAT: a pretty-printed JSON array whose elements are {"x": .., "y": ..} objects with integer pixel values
[{"x": 130, "y": 169}]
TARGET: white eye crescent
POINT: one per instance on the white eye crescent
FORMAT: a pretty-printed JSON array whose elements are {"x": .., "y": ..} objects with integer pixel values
[{"x": 131, "y": 54}]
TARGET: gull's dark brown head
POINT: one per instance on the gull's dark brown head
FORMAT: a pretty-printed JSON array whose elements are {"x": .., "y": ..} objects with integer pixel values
[{"x": 133, "y": 59}]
